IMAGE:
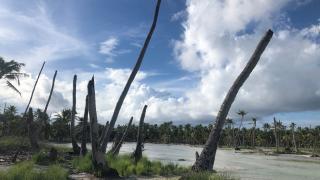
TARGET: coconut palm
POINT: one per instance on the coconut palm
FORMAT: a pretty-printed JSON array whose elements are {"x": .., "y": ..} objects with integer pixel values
[
  {"x": 254, "y": 131},
  {"x": 242, "y": 113},
  {"x": 292, "y": 126},
  {"x": 10, "y": 70}
]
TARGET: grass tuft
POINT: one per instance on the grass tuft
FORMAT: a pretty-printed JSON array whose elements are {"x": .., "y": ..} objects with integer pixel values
[{"x": 27, "y": 171}]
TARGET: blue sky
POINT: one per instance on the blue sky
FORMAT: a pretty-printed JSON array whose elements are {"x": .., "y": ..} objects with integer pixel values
[{"x": 196, "y": 52}]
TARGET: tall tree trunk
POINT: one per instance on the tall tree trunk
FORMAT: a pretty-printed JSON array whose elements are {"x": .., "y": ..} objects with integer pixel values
[
  {"x": 276, "y": 133},
  {"x": 116, "y": 141},
  {"x": 103, "y": 133},
  {"x": 207, "y": 156},
  {"x": 294, "y": 140},
  {"x": 52, "y": 86},
  {"x": 14, "y": 158},
  {"x": 34, "y": 87},
  {"x": 124, "y": 135},
  {"x": 137, "y": 154},
  {"x": 98, "y": 159},
  {"x": 254, "y": 134},
  {"x": 130, "y": 80},
  {"x": 75, "y": 147},
  {"x": 84, "y": 130},
  {"x": 32, "y": 131},
  {"x": 44, "y": 115}
]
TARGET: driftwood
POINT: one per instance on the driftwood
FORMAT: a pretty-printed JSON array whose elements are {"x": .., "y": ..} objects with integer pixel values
[
  {"x": 207, "y": 156},
  {"x": 124, "y": 135},
  {"x": 130, "y": 80},
  {"x": 75, "y": 147},
  {"x": 137, "y": 154},
  {"x": 84, "y": 130}
]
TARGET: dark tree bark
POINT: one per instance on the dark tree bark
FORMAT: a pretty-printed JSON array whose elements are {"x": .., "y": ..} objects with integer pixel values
[
  {"x": 103, "y": 133},
  {"x": 116, "y": 141},
  {"x": 137, "y": 154},
  {"x": 130, "y": 80},
  {"x": 75, "y": 147},
  {"x": 207, "y": 156},
  {"x": 98, "y": 160},
  {"x": 32, "y": 131},
  {"x": 52, "y": 86},
  {"x": 34, "y": 87},
  {"x": 276, "y": 136},
  {"x": 116, "y": 151},
  {"x": 84, "y": 130},
  {"x": 44, "y": 117}
]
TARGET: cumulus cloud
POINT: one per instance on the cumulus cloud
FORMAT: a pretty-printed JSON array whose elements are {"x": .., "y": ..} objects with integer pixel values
[{"x": 218, "y": 39}]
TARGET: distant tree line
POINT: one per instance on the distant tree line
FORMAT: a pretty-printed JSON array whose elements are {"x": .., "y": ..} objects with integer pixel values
[{"x": 57, "y": 129}]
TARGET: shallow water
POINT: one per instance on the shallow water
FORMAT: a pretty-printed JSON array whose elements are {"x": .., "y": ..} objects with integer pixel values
[{"x": 244, "y": 166}]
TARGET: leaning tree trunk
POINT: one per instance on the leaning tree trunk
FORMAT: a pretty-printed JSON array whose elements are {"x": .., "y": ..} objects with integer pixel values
[
  {"x": 44, "y": 115},
  {"x": 130, "y": 80},
  {"x": 14, "y": 158},
  {"x": 84, "y": 130},
  {"x": 103, "y": 133},
  {"x": 207, "y": 156},
  {"x": 116, "y": 140},
  {"x": 75, "y": 147},
  {"x": 124, "y": 135},
  {"x": 32, "y": 131},
  {"x": 99, "y": 164},
  {"x": 34, "y": 87},
  {"x": 137, "y": 154}
]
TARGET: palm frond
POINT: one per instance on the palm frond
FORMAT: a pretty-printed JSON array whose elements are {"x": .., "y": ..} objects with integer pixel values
[{"x": 10, "y": 85}]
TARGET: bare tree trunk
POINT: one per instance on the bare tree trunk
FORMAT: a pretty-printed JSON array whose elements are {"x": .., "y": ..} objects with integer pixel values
[
  {"x": 254, "y": 134},
  {"x": 14, "y": 158},
  {"x": 137, "y": 154},
  {"x": 84, "y": 130},
  {"x": 207, "y": 156},
  {"x": 130, "y": 80},
  {"x": 44, "y": 115},
  {"x": 32, "y": 131},
  {"x": 294, "y": 140},
  {"x": 124, "y": 135},
  {"x": 98, "y": 160},
  {"x": 116, "y": 141},
  {"x": 34, "y": 87},
  {"x": 75, "y": 147},
  {"x": 276, "y": 133},
  {"x": 103, "y": 133},
  {"x": 52, "y": 86}
]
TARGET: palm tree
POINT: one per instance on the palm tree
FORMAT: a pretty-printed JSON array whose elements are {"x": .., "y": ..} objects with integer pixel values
[
  {"x": 242, "y": 113},
  {"x": 292, "y": 126},
  {"x": 230, "y": 123},
  {"x": 11, "y": 71},
  {"x": 208, "y": 154},
  {"x": 254, "y": 131}
]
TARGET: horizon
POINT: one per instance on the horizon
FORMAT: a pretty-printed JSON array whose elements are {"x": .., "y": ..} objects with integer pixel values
[{"x": 193, "y": 58}]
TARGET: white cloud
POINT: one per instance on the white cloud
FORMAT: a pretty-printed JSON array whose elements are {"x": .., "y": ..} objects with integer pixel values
[
  {"x": 31, "y": 37},
  {"x": 107, "y": 47},
  {"x": 217, "y": 43}
]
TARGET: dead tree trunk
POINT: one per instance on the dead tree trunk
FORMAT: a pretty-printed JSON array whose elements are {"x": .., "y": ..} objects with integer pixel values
[
  {"x": 75, "y": 147},
  {"x": 44, "y": 117},
  {"x": 124, "y": 135},
  {"x": 130, "y": 80},
  {"x": 137, "y": 154},
  {"x": 34, "y": 87},
  {"x": 116, "y": 141},
  {"x": 32, "y": 131},
  {"x": 84, "y": 130},
  {"x": 207, "y": 156},
  {"x": 275, "y": 124},
  {"x": 98, "y": 160},
  {"x": 103, "y": 133},
  {"x": 52, "y": 86},
  {"x": 294, "y": 139},
  {"x": 14, "y": 158}
]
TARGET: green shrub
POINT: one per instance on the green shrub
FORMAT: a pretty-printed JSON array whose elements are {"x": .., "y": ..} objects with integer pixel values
[
  {"x": 83, "y": 164},
  {"x": 26, "y": 171},
  {"x": 12, "y": 143},
  {"x": 206, "y": 176}
]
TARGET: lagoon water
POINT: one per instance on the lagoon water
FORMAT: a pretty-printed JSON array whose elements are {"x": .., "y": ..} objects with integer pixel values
[{"x": 243, "y": 166}]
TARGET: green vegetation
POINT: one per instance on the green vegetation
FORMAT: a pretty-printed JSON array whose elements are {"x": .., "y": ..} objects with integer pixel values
[
  {"x": 11, "y": 143},
  {"x": 125, "y": 166},
  {"x": 206, "y": 176},
  {"x": 28, "y": 171}
]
